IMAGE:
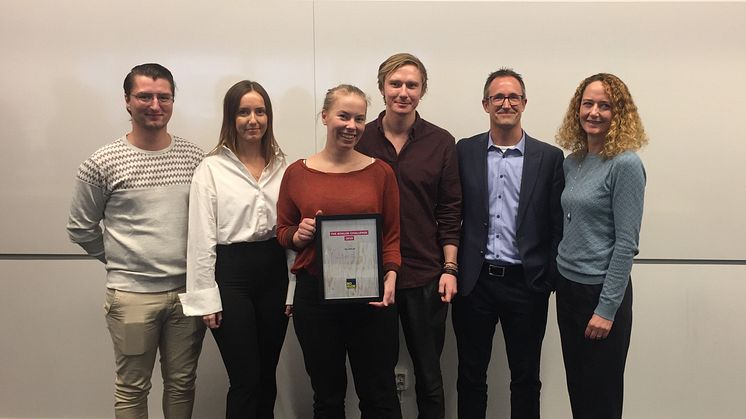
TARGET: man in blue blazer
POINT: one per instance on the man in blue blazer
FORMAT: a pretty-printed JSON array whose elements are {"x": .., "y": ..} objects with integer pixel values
[{"x": 512, "y": 224}]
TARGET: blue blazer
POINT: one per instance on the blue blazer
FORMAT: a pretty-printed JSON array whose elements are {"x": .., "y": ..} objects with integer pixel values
[{"x": 539, "y": 224}]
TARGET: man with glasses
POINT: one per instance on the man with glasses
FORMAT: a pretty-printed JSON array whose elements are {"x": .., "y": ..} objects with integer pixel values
[
  {"x": 137, "y": 187},
  {"x": 511, "y": 227}
]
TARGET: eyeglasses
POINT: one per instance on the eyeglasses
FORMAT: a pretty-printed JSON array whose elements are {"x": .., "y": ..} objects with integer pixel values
[
  {"x": 499, "y": 100},
  {"x": 146, "y": 98}
]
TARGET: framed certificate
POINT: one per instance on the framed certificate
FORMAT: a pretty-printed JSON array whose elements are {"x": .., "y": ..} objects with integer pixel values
[{"x": 350, "y": 257}]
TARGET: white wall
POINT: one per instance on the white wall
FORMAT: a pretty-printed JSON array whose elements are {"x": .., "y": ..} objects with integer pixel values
[
  {"x": 685, "y": 361},
  {"x": 61, "y": 98}
]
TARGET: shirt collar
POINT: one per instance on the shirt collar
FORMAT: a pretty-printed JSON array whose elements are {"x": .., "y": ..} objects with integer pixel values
[
  {"x": 412, "y": 131},
  {"x": 277, "y": 162},
  {"x": 520, "y": 146}
]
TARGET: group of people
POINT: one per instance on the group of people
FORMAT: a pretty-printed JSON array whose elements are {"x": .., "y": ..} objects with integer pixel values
[{"x": 490, "y": 224}]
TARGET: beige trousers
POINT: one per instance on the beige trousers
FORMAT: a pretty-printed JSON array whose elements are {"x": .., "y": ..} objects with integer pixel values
[{"x": 140, "y": 325}]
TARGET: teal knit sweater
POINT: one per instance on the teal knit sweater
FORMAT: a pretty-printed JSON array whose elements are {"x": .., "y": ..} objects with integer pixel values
[{"x": 602, "y": 204}]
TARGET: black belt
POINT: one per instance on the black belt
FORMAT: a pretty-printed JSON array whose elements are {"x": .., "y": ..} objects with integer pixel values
[{"x": 502, "y": 270}]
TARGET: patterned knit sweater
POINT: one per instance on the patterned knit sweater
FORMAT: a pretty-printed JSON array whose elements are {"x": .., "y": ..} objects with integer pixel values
[
  {"x": 141, "y": 198},
  {"x": 602, "y": 203}
]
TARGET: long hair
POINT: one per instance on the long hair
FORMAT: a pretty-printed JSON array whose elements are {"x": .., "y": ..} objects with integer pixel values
[
  {"x": 228, "y": 133},
  {"x": 626, "y": 132}
]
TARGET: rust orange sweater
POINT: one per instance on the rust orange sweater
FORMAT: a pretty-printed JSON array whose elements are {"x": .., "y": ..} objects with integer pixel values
[{"x": 370, "y": 190}]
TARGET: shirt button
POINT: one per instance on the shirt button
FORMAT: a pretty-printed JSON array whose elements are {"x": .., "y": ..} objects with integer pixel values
[
  {"x": 498, "y": 216},
  {"x": 501, "y": 176},
  {"x": 499, "y": 197}
]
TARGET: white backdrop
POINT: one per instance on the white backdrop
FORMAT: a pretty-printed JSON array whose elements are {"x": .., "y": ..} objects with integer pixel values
[{"x": 61, "y": 98}]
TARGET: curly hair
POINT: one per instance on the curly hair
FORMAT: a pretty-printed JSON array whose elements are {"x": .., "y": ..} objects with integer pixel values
[{"x": 626, "y": 131}]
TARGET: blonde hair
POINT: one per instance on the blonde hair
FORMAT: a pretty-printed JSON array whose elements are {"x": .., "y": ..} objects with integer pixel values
[
  {"x": 398, "y": 61},
  {"x": 346, "y": 89},
  {"x": 626, "y": 132}
]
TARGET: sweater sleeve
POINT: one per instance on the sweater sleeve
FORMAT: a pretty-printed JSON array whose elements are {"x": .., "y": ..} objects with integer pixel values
[
  {"x": 628, "y": 190},
  {"x": 87, "y": 211},
  {"x": 391, "y": 222},
  {"x": 448, "y": 205},
  {"x": 202, "y": 295},
  {"x": 288, "y": 214}
]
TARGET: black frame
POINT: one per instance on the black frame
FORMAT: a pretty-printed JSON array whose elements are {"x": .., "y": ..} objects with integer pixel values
[{"x": 323, "y": 219}]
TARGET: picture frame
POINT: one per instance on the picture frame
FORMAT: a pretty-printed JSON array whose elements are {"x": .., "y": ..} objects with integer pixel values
[{"x": 350, "y": 258}]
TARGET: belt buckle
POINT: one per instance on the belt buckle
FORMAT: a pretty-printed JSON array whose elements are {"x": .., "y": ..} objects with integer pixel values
[{"x": 498, "y": 271}]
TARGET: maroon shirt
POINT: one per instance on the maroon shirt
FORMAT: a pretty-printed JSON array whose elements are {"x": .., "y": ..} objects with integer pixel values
[{"x": 429, "y": 194}]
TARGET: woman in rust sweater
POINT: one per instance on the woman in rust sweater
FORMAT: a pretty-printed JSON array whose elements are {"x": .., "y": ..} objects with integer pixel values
[{"x": 340, "y": 180}]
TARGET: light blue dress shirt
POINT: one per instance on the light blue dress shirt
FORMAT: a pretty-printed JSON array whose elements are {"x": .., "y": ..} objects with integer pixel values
[{"x": 504, "y": 172}]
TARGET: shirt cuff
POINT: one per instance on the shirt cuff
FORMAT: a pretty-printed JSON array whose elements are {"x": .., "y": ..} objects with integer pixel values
[
  {"x": 291, "y": 290},
  {"x": 201, "y": 302}
]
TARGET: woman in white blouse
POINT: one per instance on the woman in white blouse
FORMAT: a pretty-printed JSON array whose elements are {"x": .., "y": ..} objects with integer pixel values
[{"x": 237, "y": 273}]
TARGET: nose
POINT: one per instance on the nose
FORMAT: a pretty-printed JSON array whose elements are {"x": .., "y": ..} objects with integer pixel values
[
  {"x": 351, "y": 124},
  {"x": 252, "y": 119},
  {"x": 594, "y": 109},
  {"x": 154, "y": 103}
]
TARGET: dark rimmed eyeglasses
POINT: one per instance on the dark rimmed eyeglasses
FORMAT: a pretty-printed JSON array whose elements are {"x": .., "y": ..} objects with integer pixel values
[
  {"x": 499, "y": 100},
  {"x": 144, "y": 97}
]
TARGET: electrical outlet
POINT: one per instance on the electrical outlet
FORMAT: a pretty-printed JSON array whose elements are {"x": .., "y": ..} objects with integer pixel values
[{"x": 402, "y": 379}]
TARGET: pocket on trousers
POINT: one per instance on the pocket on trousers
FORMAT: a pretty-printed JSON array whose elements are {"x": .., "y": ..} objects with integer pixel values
[
  {"x": 125, "y": 324},
  {"x": 109, "y": 300}
]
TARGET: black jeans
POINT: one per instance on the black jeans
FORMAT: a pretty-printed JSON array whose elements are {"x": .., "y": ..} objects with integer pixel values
[
  {"x": 328, "y": 333},
  {"x": 523, "y": 314},
  {"x": 423, "y": 319},
  {"x": 253, "y": 282},
  {"x": 594, "y": 368}
]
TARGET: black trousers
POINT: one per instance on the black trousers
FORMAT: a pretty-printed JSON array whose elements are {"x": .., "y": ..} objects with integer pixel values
[
  {"x": 328, "y": 334},
  {"x": 423, "y": 319},
  {"x": 523, "y": 314},
  {"x": 594, "y": 368},
  {"x": 253, "y": 282}
]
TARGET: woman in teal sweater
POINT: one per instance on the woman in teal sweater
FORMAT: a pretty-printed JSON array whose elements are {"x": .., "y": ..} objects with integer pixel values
[{"x": 602, "y": 203}]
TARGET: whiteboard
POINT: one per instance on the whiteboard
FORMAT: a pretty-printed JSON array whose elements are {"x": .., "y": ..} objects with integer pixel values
[{"x": 684, "y": 63}]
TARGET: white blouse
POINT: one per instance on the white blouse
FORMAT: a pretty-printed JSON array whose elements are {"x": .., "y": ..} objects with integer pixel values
[{"x": 227, "y": 205}]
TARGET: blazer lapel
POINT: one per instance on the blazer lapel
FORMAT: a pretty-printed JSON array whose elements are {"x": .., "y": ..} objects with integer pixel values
[{"x": 531, "y": 165}]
